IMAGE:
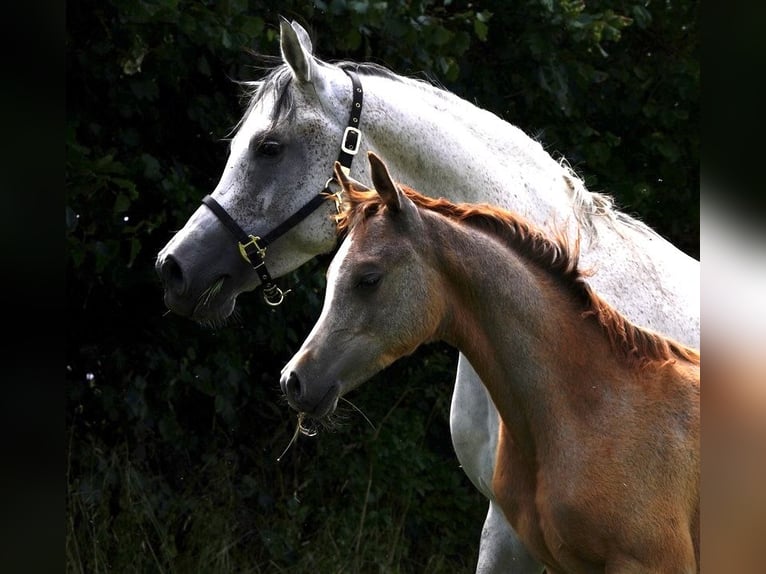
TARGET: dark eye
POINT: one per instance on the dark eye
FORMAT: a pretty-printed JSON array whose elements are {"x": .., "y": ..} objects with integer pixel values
[
  {"x": 269, "y": 148},
  {"x": 369, "y": 280}
]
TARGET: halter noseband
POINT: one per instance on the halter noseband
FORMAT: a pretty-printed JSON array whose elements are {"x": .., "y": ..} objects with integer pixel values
[{"x": 253, "y": 247}]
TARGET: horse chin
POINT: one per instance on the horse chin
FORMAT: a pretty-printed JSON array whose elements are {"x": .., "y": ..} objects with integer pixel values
[
  {"x": 212, "y": 306},
  {"x": 325, "y": 407},
  {"x": 215, "y": 317},
  {"x": 215, "y": 311}
]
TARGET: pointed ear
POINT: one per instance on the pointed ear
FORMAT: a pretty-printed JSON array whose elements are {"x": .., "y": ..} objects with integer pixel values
[
  {"x": 296, "y": 48},
  {"x": 346, "y": 182},
  {"x": 303, "y": 37},
  {"x": 383, "y": 183}
]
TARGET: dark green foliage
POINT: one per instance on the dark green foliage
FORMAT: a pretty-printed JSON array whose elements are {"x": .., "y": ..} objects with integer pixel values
[
  {"x": 174, "y": 429},
  {"x": 611, "y": 86}
]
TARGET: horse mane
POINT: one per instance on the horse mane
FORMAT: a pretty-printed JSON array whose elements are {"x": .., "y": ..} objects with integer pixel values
[
  {"x": 554, "y": 254},
  {"x": 279, "y": 77},
  {"x": 587, "y": 205}
]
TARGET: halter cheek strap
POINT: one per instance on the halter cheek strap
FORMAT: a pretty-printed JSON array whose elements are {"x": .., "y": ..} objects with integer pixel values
[
  {"x": 352, "y": 137},
  {"x": 253, "y": 247}
]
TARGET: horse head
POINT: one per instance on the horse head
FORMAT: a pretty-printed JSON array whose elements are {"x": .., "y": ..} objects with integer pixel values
[
  {"x": 280, "y": 158},
  {"x": 378, "y": 268}
]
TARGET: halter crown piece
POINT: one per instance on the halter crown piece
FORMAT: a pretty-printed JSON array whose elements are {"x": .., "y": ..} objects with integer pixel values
[{"x": 253, "y": 247}]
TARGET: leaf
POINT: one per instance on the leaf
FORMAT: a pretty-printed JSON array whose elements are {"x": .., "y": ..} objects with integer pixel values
[
  {"x": 151, "y": 167},
  {"x": 121, "y": 203},
  {"x": 481, "y": 30},
  {"x": 484, "y": 16},
  {"x": 135, "y": 249},
  {"x": 107, "y": 164},
  {"x": 237, "y": 7},
  {"x": 440, "y": 36},
  {"x": 667, "y": 148},
  {"x": 128, "y": 186},
  {"x": 252, "y": 26},
  {"x": 641, "y": 16},
  {"x": 202, "y": 66}
]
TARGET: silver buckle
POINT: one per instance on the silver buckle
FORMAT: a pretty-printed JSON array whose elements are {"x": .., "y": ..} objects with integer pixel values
[
  {"x": 344, "y": 146},
  {"x": 274, "y": 296}
]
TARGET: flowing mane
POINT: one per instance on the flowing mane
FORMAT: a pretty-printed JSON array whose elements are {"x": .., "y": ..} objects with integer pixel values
[
  {"x": 279, "y": 77},
  {"x": 554, "y": 254},
  {"x": 587, "y": 204}
]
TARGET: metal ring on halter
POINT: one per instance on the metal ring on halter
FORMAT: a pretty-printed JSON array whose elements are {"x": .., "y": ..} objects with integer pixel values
[
  {"x": 338, "y": 195},
  {"x": 274, "y": 296}
]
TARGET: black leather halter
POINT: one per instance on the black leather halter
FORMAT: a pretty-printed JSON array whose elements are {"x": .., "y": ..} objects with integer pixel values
[{"x": 253, "y": 247}]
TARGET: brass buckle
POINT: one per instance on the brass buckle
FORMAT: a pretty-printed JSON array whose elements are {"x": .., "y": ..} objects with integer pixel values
[{"x": 253, "y": 241}]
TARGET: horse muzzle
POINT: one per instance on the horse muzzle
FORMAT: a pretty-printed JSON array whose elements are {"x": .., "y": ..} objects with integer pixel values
[
  {"x": 213, "y": 303},
  {"x": 316, "y": 400}
]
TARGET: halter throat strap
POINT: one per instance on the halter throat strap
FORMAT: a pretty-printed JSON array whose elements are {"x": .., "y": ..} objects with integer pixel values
[{"x": 253, "y": 247}]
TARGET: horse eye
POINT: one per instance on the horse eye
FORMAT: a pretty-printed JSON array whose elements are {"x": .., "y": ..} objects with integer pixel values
[
  {"x": 369, "y": 280},
  {"x": 269, "y": 148}
]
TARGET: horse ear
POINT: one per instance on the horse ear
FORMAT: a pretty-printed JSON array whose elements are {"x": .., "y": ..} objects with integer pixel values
[
  {"x": 346, "y": 182},
  {"x": 303, "y": 37},
  {"x": 296, "y": 48},
  {"x": 384, "y": 184},
  {"x": 341, "y": 176}
]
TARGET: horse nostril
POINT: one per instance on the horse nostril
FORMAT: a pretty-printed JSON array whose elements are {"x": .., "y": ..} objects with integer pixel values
[
  {"x": 293, "y": 387},
  {"x": 171, "y": 274}
]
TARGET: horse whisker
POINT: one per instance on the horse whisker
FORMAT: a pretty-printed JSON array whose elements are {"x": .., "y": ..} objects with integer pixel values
[
  {"x": 210, "y": 292},
  {"x": 357, "y": 409},
  {"x": 205, "y": 297}
]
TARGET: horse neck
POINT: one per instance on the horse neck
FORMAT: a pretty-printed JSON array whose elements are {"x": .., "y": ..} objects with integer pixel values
[
  {"x": 525, "y": 337},
  {"x": 443, "y": 145}
]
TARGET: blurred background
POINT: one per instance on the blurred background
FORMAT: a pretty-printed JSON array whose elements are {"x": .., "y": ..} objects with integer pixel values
[{"x": 173, "y": 430}]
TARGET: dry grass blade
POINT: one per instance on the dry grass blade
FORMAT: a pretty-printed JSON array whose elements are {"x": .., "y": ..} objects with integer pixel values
[{"x": 300, "y": 428}]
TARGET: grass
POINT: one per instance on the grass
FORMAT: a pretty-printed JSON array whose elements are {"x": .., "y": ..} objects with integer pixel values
[{"x": 124, "y": 517}]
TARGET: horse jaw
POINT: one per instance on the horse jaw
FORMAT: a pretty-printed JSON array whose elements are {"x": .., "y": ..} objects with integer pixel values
[{"x": 296, "y": 48}]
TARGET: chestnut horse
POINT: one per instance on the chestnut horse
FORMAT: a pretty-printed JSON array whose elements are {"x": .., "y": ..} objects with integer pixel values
[{"x": 598, "y": 462}]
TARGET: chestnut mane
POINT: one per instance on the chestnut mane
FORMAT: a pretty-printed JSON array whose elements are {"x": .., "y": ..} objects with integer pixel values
[{"x": 552, "y": 253}]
